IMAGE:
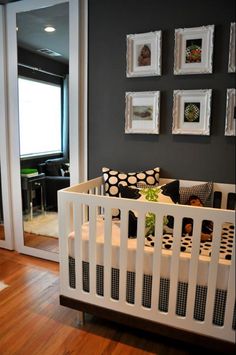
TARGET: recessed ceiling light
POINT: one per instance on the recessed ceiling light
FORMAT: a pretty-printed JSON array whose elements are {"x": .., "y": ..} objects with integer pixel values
[{"x": 49, "y": 29}]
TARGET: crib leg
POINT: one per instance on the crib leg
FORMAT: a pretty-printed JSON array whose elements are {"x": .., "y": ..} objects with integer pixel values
[{"x": 81, "y": 318}]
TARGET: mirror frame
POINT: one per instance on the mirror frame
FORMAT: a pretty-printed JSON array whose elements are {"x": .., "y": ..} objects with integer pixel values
[
  {"x": 8, "y": 242},
  {"x": 77, "y": 105}
]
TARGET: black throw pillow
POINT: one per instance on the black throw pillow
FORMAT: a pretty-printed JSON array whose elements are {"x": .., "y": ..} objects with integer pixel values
[{"x": 172, "y": 189}]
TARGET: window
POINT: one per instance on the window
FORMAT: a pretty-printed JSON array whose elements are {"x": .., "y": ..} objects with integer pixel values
[{"x": 40, "y": 117}]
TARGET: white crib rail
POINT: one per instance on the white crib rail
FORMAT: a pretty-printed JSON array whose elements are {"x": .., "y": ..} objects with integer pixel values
[{"x": 77, "y": 199}]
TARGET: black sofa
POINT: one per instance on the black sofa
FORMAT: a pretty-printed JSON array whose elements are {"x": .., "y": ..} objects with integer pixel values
[{"x": 57, "y": 177}]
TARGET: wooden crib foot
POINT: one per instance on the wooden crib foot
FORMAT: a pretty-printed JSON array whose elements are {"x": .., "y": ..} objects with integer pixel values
[{"x": 81, "y": 318}]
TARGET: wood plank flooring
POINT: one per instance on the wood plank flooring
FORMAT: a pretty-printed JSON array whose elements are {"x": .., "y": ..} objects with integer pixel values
[
  {"x": 41, "y": 242},
  {"x": 33, "y": 322},
  {"x": 2, "y": 234}
]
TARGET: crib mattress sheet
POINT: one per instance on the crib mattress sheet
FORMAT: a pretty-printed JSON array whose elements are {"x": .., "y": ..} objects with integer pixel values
[{"x": 165, "y": 263}]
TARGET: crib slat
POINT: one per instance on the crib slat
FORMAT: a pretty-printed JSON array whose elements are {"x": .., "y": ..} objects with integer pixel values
[
  {"x": 174, "y": 270},
  {"x": 123, "y": 255},
  {"x": 107, "y": 253},
  {"x": 139, "y": 260},
  {"x": 193, "y": 270},
  {"x": 156, "y": 267},
  {"x": 78, "y": 220},
  {"x": 64, "y": 223},
  {"x": 92, "y": 249},
  {"x": 230, "y": 302},
  {"x": 212, "y": 275}
]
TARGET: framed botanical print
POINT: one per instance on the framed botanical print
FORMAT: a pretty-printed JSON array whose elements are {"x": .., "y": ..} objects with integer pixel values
[
  {"x": 142, "y": 113},
  {"x": 231, "y": 64},
  {"x": 191, "y": 112},
  {"x": 143, "y": 56},
  {"x": 193, "y": 50},
  {"x": 230, "y": 117}
]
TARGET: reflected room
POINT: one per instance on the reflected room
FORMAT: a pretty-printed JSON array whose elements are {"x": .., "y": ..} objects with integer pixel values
[{"x": 43, "y": 75}]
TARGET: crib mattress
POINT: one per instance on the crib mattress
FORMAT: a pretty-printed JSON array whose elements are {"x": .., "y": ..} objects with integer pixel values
[{"x": 185, "y": 256}]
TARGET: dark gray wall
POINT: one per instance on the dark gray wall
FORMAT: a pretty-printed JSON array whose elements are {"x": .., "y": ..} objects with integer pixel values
[{"x": 179, "y": 156}]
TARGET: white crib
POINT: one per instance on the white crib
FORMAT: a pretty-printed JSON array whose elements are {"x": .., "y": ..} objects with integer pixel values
[{"x": 179, "y": 294}]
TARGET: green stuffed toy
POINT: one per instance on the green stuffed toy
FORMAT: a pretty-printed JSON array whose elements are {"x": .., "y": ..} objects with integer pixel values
[{"x": 151, "y": 194}]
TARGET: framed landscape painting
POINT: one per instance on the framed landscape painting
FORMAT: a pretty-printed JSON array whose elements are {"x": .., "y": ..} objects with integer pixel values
[
  {"x": 230, "y": 117},
  {"x": 143, "y": 56},
  {"x": 142, "y": 112},
  {"x": 191, "y": 112},
  {"x": 193, "y": 50}
]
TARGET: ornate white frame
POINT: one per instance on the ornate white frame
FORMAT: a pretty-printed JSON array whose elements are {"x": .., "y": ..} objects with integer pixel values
[
  {"x": 180, "y": 97},
  {"x": 205, "y": 33},
  {"x": 134, "y": 42},
  {"x": 146, "y": 98},
  {"x": 230, "y": 108},
  {"x": 231, "y": 64}
]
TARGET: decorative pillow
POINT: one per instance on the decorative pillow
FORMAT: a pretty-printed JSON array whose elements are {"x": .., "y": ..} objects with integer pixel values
[
  {"x": 203, "y": 191},
  {"x": 113, "y": 178},
  {"x": 171, "y": 189}
]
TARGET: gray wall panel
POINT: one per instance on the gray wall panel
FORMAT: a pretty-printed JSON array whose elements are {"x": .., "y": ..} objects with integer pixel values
[{"x": 183, "y": 156}]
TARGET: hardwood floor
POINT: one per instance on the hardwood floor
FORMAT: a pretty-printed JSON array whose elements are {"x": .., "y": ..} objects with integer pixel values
[
  {"x": 41, "y": 242},
  {"x": 33, "y": 322},
  {"x": 2, "y": 236}
]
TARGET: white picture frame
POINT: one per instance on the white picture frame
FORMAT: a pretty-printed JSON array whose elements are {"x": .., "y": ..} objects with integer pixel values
[
  {"x": 143, "y": 54},
  {"x": 193, "y": 50},
  {"x": 230, "y": 116},
  {"x": 142, "y": 112},
  {"x": 191, "y": 112},
  {"x": 231, "y": 63}
]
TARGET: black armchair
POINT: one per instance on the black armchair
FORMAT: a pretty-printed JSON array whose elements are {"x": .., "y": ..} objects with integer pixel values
[{"x": 57, "y": 177}]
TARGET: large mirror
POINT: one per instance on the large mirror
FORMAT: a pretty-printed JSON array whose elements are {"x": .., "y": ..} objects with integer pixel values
[
  {"x": 2, "y": 233},
  {"x": 43, "y": 70},
  {"x": 2, "y": 117},
  {"x": 6, "y": 239},
  {"x": 39, "y": 130}
]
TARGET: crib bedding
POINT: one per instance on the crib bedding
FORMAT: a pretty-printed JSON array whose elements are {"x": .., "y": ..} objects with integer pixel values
[
  {"x": 167, "y": 241},
  {"x": 163, "y": 301}
]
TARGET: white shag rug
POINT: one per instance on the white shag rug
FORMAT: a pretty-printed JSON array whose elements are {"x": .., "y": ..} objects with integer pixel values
[
  {"x": 44, "y": 224},
  {"x": 2, "y": 285}
]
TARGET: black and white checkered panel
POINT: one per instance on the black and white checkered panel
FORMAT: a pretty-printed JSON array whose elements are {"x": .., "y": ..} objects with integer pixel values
[
  {"x": 200, "y": 303},
  {"x": 130, "y": 287},
  {"x": 181, "y": 301},
  {"x": 163, "y": 302},
  {"x": 234, "y": 317},
  {"x": 100, "y": 280},
  {"x": 219, "y": 307},
  {"x": 147, "y": 291},
  {"x": 115, "y": 279},
  {"x": 72, "y": 272},
  {"x": 85, "y": 270}
]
